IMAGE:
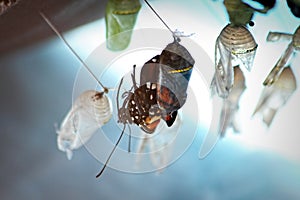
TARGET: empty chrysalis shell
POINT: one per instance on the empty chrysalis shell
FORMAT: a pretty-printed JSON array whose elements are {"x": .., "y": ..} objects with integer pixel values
[
  {"x": 120, "y": 18},
  {"x": 240, "y": 42},
  {"x": 296, "y": 39},
  {"x": 287, "y": 80},
  {"x": 238, "y": 87},
  {"x": 287, "y": 54},
  {"x": 90, "y": 111},
  {"x": 234, "y": 46},
  {"x": 231, "y": 104},
  {"x": 276, "y": 95}
]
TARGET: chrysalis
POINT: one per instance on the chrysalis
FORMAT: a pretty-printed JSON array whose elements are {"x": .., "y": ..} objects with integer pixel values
[
  {"x": 241, "y": 13},
  {"x": 231, "y": 104},
  {"x": 120, "y": 18},
  {"x": 235, "y": 45},
  {"x": 286, "y": 56},
  {"x": 294, "y": 6},
  {"x": 276, "y": 95},
  {"x": 89, "y": 112},
  {"x": 175, "y": 69}
]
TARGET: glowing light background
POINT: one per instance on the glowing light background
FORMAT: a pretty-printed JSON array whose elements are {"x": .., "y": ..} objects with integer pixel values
[
  {"x": 259, "y": 163},
  {"x": 206, "y": 31}
]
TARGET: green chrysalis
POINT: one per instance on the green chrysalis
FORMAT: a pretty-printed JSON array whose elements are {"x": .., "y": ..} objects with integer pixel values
[{"x": 120, "y": 18}]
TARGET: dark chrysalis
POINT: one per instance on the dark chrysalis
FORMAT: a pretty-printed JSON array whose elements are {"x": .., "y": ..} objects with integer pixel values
[
  {"x": 151, "y": 74},
  {"x": 241, "y": 13},
  {"x": 6, "y": 4},
  {"x": 268, "y": 4},
  {"x": 294, "y": 6},
  {"x": 175, "y": 69},
  {"x": 176, "y": 66}
]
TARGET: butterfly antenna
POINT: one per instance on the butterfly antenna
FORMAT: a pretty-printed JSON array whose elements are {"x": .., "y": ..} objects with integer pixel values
[
  {"x": 118, "y": 93},
  {"x": 103, "y": 168},
  {"x": 129, "y": 140},
  {"x": 68, "y": 45}
]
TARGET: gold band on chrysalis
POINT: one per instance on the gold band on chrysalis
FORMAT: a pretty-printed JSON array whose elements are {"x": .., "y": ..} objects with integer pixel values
[
  {"x": 126, "y": 12},
  {"x": 180, "y": 70}
]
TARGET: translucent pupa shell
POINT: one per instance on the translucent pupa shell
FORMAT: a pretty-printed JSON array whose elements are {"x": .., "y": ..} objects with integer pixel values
[
  {"x": 231, "y": 104},
  {"x": 275, "y": 96},
  {"x": 90, "y": 111},
  {"x": 240, "y": 42},
  {"x": 235, "y": 45},
  {"x": 229, "y": 114},
  {"x": 296, "y": 39},
  {"x": 120, "y": 18},
  {"x": 160, "y": 145},
  {"x": 286, "y": 56}
]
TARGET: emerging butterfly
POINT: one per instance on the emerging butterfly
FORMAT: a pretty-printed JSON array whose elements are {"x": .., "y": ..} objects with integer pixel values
[
  {"x": 140, "y": 106},
  {"x": 161, "y": 92}
]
